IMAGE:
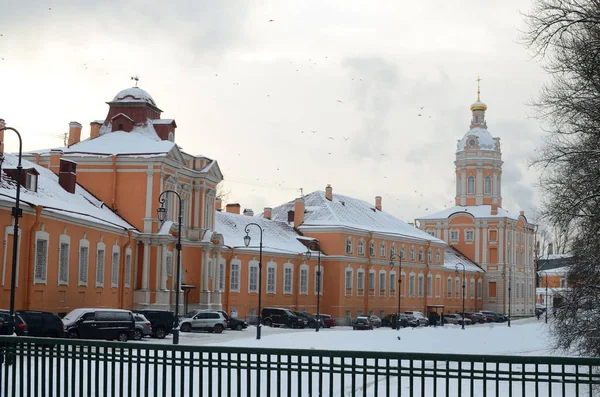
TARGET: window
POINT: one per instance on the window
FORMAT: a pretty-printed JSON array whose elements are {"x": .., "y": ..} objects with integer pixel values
[
  {"x": 411, "y": 284},
  {"x": 63, "y": 263},
  {"x": 402, "y": 253},
  {"x": 479, "y": 288},
  {"x": 83, "y": 262},
  {"x": 429, "y": 286},
  {"x": 349, "y": 245},
  {"x": 361, "y": 247},
  {"x": 437, "y": 256},
  {"x": 318, "y": 282},
  {"x": 222, "y": 276},
  {"x": 382, "y": 283},
  {"x": 454, "y": 235},
  {"x": 31, "y": 182},
  {"x": 487, "y": 185},
  {"x": 471, "y": 185},
  {"x": 393, "y": 250},
  {"x": 287, "y": 280},
  {"x": 469, "y": 235},
  {"x": 493, "y": 235},
  {"x": 234, "y": 282},
  {"x": 41, "y": 259},
  {"x": 457, "y": 286},
  {"x": 169, "y": 264},
  {"x": 472, "y": 289},
  {"x": 449, "y": 287},
  {"x": 431, "y": 232},
  {"x": 348, "y": 281},
  {"x": 253, "y": 276},
  {"x": 114, "y": 280},
  {"x": 128, "y": 268},
  {"x": 438, "y": 285},
  {"x": 420, "y": 254},
  {"x": 371, "y": 280},
  {"x": 402, "y": 284},
  {"x": 304, "y": 279},
  {"x": 372, "y": 248},
  {"x": 492, "y": 289},
  {"x": 382, "y": 250},
  {"x": 420, "y": 286},
  {"x": 393, "y": 282},
  {"x": 458, "y": 185},
  {"x": 100, "y": 265},
  {"x": 412, "y": 253},
  {"x": 271, "y": 278},
  {"x": 360, "y": 280}
]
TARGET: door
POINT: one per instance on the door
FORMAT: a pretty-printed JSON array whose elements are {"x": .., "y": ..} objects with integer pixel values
[
  {"x": 87, "y": 327},
  {"x": 198, "y": 321}
]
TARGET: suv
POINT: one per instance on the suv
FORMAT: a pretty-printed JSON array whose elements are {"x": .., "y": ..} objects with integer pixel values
[
  {"x": 6, "y": 324},
  {"x": 494, "y": 317},
  {"x": 456, "y": 319},
  {"x": 162, "y": 321},
  {"x": 42, "y": 323},
  {"x": 99, "y": 324},
  {"x": 211, "y": 321},
  {"x": 328, "y": 320},
  {"x": 419, "y": 317},
  {"x": 273, "y": 316}
]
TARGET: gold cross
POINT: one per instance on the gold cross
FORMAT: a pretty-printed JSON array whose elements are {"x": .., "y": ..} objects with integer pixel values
[
  {"x": 478, "y": 81},
  {"x": 136, "y": 78}
]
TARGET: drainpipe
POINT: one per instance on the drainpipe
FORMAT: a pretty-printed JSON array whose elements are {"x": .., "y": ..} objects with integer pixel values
[
  {"x": 122, "y": 272},
  {"x": 114, "y": 182},
  {"x": 30, "y": 255}
]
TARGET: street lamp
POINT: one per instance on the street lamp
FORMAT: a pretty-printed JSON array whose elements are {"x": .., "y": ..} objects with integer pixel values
[
  {"x": 16, "y": 213},
  {"x": 162, "y": 215},
  {"x": 315, "y": 241},
  {"x": 463, "y": 291},
  {"x": 546, "y": 298},
  {"x": 247, "y": 240},
  {"x": 510, "y": 272},
  {"x": 392, "y": 264}
]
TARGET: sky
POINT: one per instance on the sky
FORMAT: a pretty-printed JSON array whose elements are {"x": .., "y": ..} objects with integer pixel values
[{"x": 288, "y": 95}]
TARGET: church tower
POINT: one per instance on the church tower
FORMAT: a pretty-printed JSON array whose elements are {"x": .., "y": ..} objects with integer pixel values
[{"x": 478, "y": 163}]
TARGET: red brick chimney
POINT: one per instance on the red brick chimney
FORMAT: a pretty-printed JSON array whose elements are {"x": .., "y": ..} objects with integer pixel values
[
  {"x": 268, "y": 213},
  {"x": 298, "y": 212},
  {"x": 494, "y": 210},
  {"x": 95, "y": 129},
  {"x": 218, "y": 204},
  {"x": 67, "y": 177},
  {"x": 74, "y": 133},
  {"x": 329, "y": 192},
  {"x": 378, "y": 203},
  {"x": 233, "y": 208}
]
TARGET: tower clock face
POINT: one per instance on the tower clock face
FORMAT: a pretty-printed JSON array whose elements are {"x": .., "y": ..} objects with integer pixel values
[{"x": 472, "y": 142}]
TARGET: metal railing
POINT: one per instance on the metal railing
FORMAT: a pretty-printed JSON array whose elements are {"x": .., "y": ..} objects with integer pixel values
[{"x": 62, "y": 367}]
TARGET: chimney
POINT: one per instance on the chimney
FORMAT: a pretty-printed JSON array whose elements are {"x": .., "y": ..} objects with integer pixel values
[
  {"x": 494, "y": 210},
  {"x": 268, "y": 213},
  {"x": 329, "y": 192},
  {"x": 218, "y": 204},
  {"x": 248, "y": 212},
  {"x": 378, "y": 203},
  {"x": 74, "y": 133},
  {"x": 55, "y": 156},
  {"x": 95, "y": 129},
  {"x": 233, "y": 208},
  {"x": 67, "y": 177},
  {"x": 2, "y": 125},
  {"x": 290, "y": 216},
  {"x": 522, "y": 213},
  {"x": 298, "y": 212}
]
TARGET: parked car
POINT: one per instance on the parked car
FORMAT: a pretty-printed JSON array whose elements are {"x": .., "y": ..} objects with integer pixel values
[
  {"x": 311, "y": 320},
  {"x": 478, "y": 318},
  {"x": 273, "y": 316},
  {"x": 362, "y": 323},
  {"x": 99, "y": 324},
  {"x": 143, "y": 327},
  {"x": 233, "y": 322},
  {"x": 375, "y": 321},
  {"x": 6, "y": 324},
  {"x": 204, "y": 320},
  {"x": 389, "y": 321},
  {"x": 492, "y": 317},
  {"x": 42, "y": 324},
  {"x": 162, "y": 321},
  {"x": 424, "y": 321},
  {"x": 456, "y": 319},
  {"x": 328, "y": 320}
]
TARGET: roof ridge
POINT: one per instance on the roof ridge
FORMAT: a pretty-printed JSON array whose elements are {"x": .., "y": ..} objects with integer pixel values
[{"x": 328, "y": 205}]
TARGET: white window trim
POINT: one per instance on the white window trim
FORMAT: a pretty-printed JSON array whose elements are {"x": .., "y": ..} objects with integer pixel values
[
  {"x": 421, "y": 281},
  {"x": 411, "y": 276},
  {"x": 384, "y": 289},
  {"x": 421, "y": 254},
  {"x": 372, "y": 249},
  {"x": 429, "y": 255},
  {"x": 349, "y": 246},
  {"x": 372, "y": 272},
  {"x": 253, "y": 264},
  {"x": 273, "y": 290},
  {"x": 469, "y": 179},
  {"x": 83, "y": 243},
  {"x": 449, "y": 292},
  {"x": 127, "y": 272},
  {"x": 438, "y": 256},
  {"x": 238, "y": 272},
  {"x": 290, "y": 290},
  {"x": 304, "y": 268},
  {"x": 403, "y": 285},
  {"x": 361, "y": 247},
  {"x": 41, "y": 235},
  {"x": 469, "y": 240},
  {"x": 472, "y": 289},
  {"x": 100, "y": 247},
  {"x": 429, "y": 286},
  {"x": 64, "y": 239},
  {"x": 322, "y": 278},
  {"x": 479, "y": 289},
  {"x": 115, "y": 250},
  {"x": 457, "y": 283},
  {"x": 392, "y": 285},
  {"x": 169, "y": 258},
  {"x": 382, "y": 249},
  {"x": 360, "y": 291},
  {"x": 346, "y": 270},
  {"x": 457, "y": 235},
  {"x": 438, "y": 280},
  {"x": 486, "y": 179},
  {"x": 412, "y": 253}
]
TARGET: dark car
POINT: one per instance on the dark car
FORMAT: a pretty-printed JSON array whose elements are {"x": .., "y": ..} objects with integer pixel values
[
  {"x": 162, "y": 321},
  {"x": 476, "y": 317},
  {"x": 42, "y": 324},
  {"x": 273, "y": 316},
  {"x": 327, "y": 320},
  {"x": 390, "y": 320},
  {"x": 362, "y": 323},
  {"x": 234, "y": 322},
  {"x": 99, "y": 324},
  {"x": 492, "y": 317},
  {"x": 311, "y": 320},
  {"x": 6, "y": 324}
]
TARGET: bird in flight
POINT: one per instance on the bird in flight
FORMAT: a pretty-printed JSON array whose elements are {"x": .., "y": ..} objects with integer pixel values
[
  {"x": 419, "y": 114},
  {"x": 345, "y": 139},
  {"x": 340, "y": 101},
  {"x": 271, "y": 20},
  {"x": 422, "y": 107},
  {"x": 332, "y": 138},
  {"x": 313, "y": 131}
]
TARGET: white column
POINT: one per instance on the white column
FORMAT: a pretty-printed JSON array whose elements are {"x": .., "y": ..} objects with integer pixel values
[
  {"x": 145, "y": 267},
  {"x": 163, "y": 266},
  {"x": 501, "y": 247},
  {"x": 149, "y": 181},
  {"x": 484, "y": 247},
  {"x": 479, "y": 185},
  {"x": 477, "y": 239},
  {"x": 463, "y": 179}
]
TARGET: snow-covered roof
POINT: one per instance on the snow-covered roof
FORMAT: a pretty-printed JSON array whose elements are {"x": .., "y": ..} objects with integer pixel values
[
  {"x": 134, "y": 94},
  {"x": 278, "y": 237},
  {"x": 81, "y": 205},
  {"x": 557, "y": 271},
  {"x": 482, "y": 138},
  {"x": 162, "y": 121},
  {"x": 349, "y": 212},
  {"x": 555, "y": 256},
  {"x": 477, "y": 211},
  {"x": 452, "y": 257}
]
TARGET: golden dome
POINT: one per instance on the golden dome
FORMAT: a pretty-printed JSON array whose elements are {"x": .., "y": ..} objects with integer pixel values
[{"x": 478, "y": 105}]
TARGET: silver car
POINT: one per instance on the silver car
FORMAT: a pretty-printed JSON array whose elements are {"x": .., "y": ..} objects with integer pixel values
[
  {"x": 211, "y": 321},
  {"x": 376, "y": 321},
  {"x": 142, "y": 327}
]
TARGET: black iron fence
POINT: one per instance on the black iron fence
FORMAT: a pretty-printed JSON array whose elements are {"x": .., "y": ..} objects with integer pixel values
[{"x": 50, "y": 367}]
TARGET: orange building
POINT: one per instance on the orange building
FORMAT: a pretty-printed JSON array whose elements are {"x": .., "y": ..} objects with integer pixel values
[{"x": 500, "y": 242}]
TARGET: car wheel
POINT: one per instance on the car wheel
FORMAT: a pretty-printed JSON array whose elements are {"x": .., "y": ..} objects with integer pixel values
[
  {"x": 238, "y": 327},
  {"x": 122, "y": 337},
  {"x": 160, "y": 333},
  {"x": 137, "y": 334},
  {"x": 293, "y": 325},
  {"x": 218, "y": 328},
  {"x": 73, "y": 335},
  {"x": 186, "y": 327},
  {"x": 268, "y": 323}
]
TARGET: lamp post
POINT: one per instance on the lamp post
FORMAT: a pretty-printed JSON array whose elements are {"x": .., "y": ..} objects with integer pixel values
[
  {"x": 318, "y": 279},
  {"x": 392, "y": 264},
  {"x": 247, "y": 240},
  {"x": 16, "y": 213},
  {"x": 510, "y": 271},
  {"x": 463, "y": 291},
  {"x": 546, "y": 298},
  {"x": 162, "y": 214}
]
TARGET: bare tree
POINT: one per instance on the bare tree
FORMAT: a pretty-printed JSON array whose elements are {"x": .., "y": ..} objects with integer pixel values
[{"x": 565, "y": 35}]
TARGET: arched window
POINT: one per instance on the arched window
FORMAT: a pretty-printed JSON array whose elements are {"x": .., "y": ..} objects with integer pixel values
[
  {"x": 487, "y": 185},
  {"x": 402, "y": 255},
  {"x": 372, "y": 248},
  {"x": 412, "y": 253},
  {"x": 361, "y": 247},
  {"x": 382, "y": 250},
  {"x": 171, "y": 138},
  {"x": 471, "y": 184},
  {"x": 349, "y": 245}
]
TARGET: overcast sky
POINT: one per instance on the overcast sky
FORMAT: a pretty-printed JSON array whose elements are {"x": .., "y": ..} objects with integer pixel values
[{"x": 242, "y": 88}]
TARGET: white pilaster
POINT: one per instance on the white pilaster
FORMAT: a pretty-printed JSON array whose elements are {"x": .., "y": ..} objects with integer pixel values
[
  {"x": 145, "y": 267},
  {"x": 163, "y": 266}
]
